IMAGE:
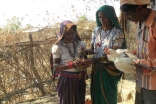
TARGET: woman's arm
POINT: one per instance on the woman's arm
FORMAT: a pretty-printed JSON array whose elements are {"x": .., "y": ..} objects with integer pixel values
[
  {"x": 90, "y": 51},
  {"x": 57, "y": 66},
  {"x": 72, "y": 64},
  {"x": 56, "y": 51}
]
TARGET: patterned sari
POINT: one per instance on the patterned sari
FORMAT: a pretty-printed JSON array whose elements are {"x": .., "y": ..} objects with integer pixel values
[{"x": 104, "y": 84}]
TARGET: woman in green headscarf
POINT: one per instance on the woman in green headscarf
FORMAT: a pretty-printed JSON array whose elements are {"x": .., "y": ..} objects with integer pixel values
[{"x": 105, "y": 76}]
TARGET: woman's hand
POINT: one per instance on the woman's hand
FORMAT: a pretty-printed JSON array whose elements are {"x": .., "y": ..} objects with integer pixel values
[
  {"x": 136, "y": 61},
  {"x": 80, "y": 64},
  {"x": 88, "y": 61},
  {"x": 134, "y": 52},
  {"x": 106, "y": 50},
  {"x": 77, "y": 62}
]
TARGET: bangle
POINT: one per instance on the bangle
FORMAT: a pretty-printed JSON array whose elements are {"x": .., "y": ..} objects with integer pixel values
[{"x": 70, "y": 65}]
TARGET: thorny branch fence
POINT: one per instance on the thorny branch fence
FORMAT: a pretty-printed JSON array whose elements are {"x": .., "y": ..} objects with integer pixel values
[{"x": 25, "y": 69}]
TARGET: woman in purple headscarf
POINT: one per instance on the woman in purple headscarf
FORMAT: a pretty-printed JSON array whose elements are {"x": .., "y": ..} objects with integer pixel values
[{"x": 68, "y": 62}]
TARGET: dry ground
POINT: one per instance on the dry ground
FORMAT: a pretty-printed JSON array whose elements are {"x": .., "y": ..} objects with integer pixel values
[{"x": 126, "y": 95}]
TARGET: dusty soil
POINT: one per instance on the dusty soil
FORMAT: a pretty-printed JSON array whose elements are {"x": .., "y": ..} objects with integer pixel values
[{"x": 126, "y": 88}]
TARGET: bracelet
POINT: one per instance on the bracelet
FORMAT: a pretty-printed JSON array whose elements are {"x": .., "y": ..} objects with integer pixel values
[{"x": 70, "y": 65}]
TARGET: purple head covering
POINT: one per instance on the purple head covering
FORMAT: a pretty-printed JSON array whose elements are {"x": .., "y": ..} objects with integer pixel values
[{"x": 64, "y": 27}]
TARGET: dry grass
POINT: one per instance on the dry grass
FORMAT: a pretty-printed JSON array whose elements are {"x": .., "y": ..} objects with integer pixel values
[{"x": 24, "y": 60}]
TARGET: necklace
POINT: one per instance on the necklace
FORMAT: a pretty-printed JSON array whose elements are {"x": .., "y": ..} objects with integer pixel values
[
  {"x": 107, "y": 27},
  {"x": 105, "y": 35},
  {"x": 69, "y": 50},
  {"x": 66, "y": 41}
]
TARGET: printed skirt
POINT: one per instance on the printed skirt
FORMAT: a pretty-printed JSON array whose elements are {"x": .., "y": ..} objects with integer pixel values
[{"x": 71, "y": 87}]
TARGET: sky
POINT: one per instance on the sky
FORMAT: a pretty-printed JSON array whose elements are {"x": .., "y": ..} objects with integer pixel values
[{"x": 47, "y": 12}]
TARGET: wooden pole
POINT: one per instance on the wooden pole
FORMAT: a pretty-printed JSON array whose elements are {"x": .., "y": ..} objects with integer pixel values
[{"x": 35, "y": 72}]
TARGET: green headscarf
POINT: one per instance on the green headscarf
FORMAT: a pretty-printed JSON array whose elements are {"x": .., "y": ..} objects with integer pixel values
[{"x": 111, "y": 15}]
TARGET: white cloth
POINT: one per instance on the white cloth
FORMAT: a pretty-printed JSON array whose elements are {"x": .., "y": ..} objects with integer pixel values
[
  {"x": 60, "y": 51},
  {"x": 135, "y": 2},
  {"x": 109, "y": 38}
]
